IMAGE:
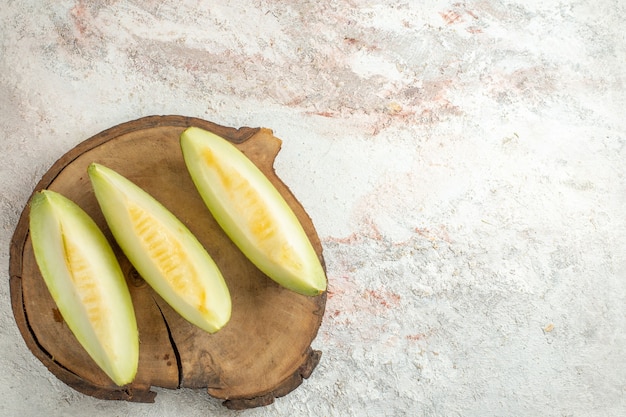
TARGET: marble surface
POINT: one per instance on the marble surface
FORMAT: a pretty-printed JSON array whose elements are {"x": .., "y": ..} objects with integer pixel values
[{"x": 463, "y": 163}]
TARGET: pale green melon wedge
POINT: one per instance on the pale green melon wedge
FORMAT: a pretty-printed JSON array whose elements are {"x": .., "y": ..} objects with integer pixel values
[
  {"x": 86, "y": 283},
  {"x": 163, "y": 250},
  {"x": 252, "y": 212}
]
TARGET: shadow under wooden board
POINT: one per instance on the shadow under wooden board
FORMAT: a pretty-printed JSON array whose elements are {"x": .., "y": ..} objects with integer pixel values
[{"x": 263, "y": 352}]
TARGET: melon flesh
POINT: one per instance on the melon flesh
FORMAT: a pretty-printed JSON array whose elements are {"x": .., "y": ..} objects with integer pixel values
[
  {"x": 163, "y": 250},
  {"x": 85, "y": 280},
  {"x": 252, "y": 212}
]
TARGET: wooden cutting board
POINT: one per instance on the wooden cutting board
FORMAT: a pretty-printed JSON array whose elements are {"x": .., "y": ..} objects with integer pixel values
[{"x": 262, "y": 353}]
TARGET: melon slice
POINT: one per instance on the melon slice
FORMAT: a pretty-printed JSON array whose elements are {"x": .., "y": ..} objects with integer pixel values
[
  {"x": 163, "y": 250},
  {"x": 252, "y": 212},
  {"x": 86, "y": 283}
]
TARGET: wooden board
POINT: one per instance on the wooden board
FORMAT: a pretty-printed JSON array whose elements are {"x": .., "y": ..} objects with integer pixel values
[{"x": 262, "y": 353}]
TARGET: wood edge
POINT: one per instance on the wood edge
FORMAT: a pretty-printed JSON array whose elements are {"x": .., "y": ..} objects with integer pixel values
[
  {"x": 303, "y": 372},
  {"x": 20, "y": 235}
]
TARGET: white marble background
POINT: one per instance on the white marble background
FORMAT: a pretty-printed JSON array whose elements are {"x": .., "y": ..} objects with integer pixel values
[{"x": 463, "y": 163}]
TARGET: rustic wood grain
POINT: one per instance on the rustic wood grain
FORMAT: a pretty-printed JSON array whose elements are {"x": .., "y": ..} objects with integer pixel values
[{"x": 262, "y": 353}]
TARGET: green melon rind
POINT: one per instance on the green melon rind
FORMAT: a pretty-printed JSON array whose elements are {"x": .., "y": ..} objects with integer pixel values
[
  {"x": 114, "y": 193},
  {"x": 55, "y": 223},
  {"x": 303, "y": 273}
]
